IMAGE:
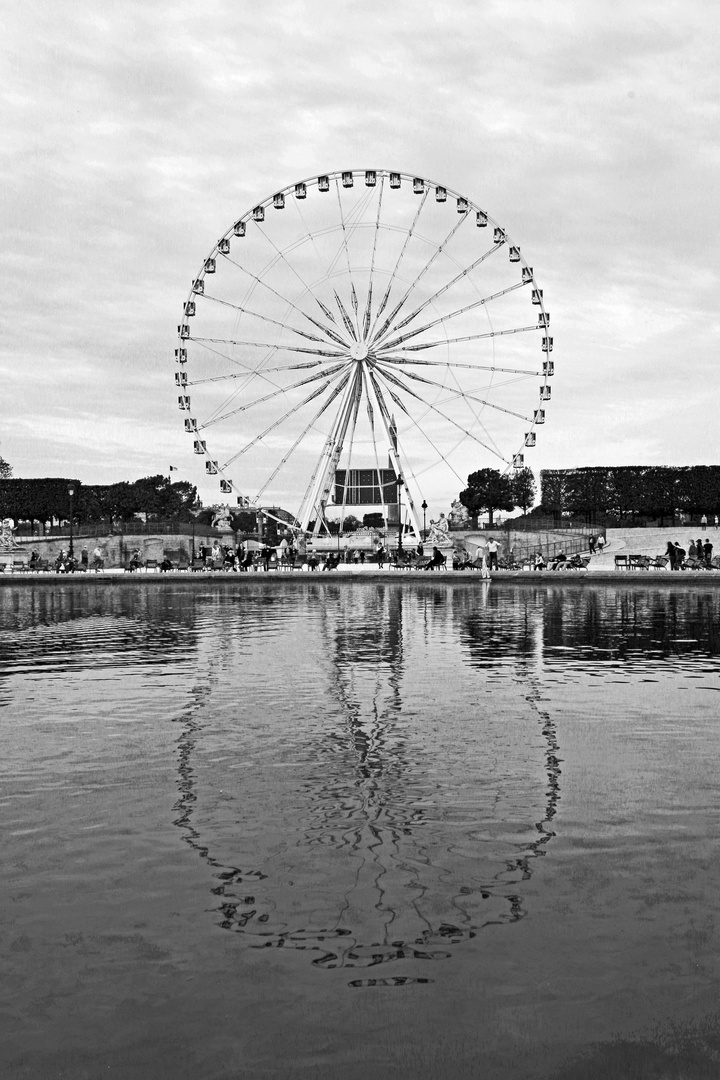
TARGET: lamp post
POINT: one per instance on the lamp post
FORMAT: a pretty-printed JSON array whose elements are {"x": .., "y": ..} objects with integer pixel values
[
  {"x": 424, "y": 510},
  {"x": 71, "y": 493},
  {"x": 399, "y": 503}
]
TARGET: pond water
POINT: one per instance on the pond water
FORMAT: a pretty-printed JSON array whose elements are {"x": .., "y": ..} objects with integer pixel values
[{"x": 354, "y": 829}]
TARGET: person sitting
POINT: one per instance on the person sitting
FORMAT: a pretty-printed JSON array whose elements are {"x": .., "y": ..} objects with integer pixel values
[
  {"x": 540, "y": 563},
  {"x": 61, "y": 563},
  {"x": 34, "y": 560},
  {"x": 437, "y": 560},
  {"x": 559, "y": 561},
  {"x": 135, "y": 562},
  {"x": 165, "y": 565}
]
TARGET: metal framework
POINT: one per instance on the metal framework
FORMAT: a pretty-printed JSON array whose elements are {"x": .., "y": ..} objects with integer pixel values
[{"x": 354, "y": 316}]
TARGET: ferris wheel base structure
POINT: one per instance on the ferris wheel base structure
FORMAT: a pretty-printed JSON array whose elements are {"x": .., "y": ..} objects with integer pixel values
[{"x": 356, "y": 318}]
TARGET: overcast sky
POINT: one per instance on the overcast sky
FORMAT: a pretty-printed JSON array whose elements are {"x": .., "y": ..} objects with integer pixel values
[{"x": 134, "y": 134}]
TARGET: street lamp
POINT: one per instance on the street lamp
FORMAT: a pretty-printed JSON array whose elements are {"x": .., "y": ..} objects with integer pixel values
[
  {"x": 399, "y": 544},
  {"x": 71, "y": 493},
  {"x": 424, "y": 509}
]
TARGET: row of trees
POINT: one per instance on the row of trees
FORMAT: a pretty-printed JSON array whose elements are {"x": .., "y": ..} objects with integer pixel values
[
  {"x": 48, "y": 499},
  {"x": 631, "y": 491}
]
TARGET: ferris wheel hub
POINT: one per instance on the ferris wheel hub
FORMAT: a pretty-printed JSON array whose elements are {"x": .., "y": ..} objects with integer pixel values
[{"x": 359, "y": 350}]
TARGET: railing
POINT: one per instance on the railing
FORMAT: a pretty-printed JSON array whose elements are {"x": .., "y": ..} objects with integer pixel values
[{"x": 119, "y": 528}]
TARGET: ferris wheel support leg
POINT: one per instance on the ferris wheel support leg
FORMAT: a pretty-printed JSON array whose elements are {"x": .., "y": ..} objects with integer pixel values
[
  {"x": 329, "y": 459},
  {"x": 392, "y": 442}
]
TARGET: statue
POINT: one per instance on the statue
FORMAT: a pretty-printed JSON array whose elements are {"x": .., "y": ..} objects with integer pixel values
[
  {"x": 439, "y": 533},
  {"x": 7, "y": 540},
  {"x": 221, "y": 519}
]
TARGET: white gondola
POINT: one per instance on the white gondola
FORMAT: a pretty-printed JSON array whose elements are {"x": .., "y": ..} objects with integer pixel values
[
  {"x": 199, "y": 286},
  {"x": 544, "y": 318},
  {"x": 547, "y": 344},
  {"x": 181, "y": 356},
  {"x": 514, "y": 254},
  {"x": 258, "y": 213},
  {"x": 462, "y": 205},
  {"x": 548, "y": 368},
  {"x": 530, "y": 438},
  {"x": 211, "y": 467},
  {"x": 184, "y": 402},
  {"x": 481, "y": 219},
  {"x": 394, "y": 179},
  {"x": 537, "y": 296},
  {"x": 209, "y": 266},
  {"x": 243, "y": 500},
  {"x": 347, "y": 179},
  {"x": 239, "y": 228},
  {"x": 370, "y": 178},
  {"x": 498, "y": 235},
  {"x": 545, "y": 392},
  {"x": 527, "y": 275},
  {"x": 539, "y": 416},
  {"x": 300, "y": 191},
  {"x": 190, "y": 424},
  {"x": 279, "y": 201},
  {"x": 224, "y": 246},
  {"x": 189, "y": 309},
  {"x": 323, "y": 183},
  {"x": 225, "y": 487},
  {"x": 518, "y": 461},
  {"x": 181, "y": 378},
  {"x": 418, "y": 185},
  {"x": 440, "y": 194},
  {"x": 199, "y": 446},
  {"x": 184, "y": 330}
]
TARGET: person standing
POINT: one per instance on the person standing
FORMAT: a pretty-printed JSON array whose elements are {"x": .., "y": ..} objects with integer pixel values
[
  {"x": 707, "y": 552},
  {"x": 492, "y": 549},
  {"x": 591, "y": 544},
  {"x": 600, "y": 543},
  {"x": 716, "y": 521}
]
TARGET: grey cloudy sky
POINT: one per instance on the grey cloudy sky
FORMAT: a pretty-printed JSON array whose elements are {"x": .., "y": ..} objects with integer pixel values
[{"x": 135, "y": 133}]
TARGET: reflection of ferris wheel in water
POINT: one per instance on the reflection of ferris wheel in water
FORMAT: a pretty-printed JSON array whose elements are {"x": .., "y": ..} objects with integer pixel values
[{"x": 364, "y": 337}]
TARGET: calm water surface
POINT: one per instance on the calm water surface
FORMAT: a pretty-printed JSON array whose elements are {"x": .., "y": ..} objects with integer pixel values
[{"x": 341, "y": 830}]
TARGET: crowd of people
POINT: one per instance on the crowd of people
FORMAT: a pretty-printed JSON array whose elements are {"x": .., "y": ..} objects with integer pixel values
[{"x": 699, "y": 553}]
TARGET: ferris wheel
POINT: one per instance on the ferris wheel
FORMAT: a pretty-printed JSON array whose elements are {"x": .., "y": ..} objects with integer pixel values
[{"x": 362, "y": 338}]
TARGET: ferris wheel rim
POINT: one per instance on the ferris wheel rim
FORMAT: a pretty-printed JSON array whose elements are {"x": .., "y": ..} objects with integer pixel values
[{"x": 276, "y": 199}]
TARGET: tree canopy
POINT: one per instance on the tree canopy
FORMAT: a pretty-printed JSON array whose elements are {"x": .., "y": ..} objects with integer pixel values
[
  {"x": 631, "y": 491},
  {"x": 487, "y": 490}
]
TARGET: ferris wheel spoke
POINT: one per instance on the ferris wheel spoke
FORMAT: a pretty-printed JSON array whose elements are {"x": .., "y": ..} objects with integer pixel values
[
  {"x": 286, "y": 416},
  {"x": 280, "y": 392},
  {"x": 469, "y": 337},
  {"x": 377, "y": 337},
  {"x": 451, "y": 315},
  {"x": 254, "y": 371},
  {"x": 319, "y": 326},
  {"x": 399, "y": 260},
  {"x": 307, "y": 288},
  {"x": 368, "y": 304},
  {"x": 269, "y": 345},
  {"x": 413, "y": 361},
  {"x": 273, "y": 322},
  {"x": 423, "y": 430},
  {"x": 303, "y": 434},
  {"x": 450, "y": 420},
  {"x": 453, "y": 281},
  {"x": 466, "y": 395}
]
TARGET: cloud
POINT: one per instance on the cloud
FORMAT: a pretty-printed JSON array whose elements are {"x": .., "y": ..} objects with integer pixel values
[{"x": 134, "y": 134}]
